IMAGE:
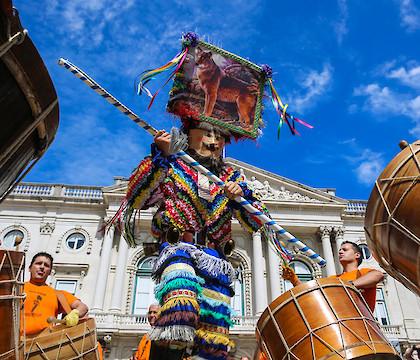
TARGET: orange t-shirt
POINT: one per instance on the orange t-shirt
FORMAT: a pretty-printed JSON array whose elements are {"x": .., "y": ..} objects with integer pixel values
[
  {"x": 143, "y": 350},
  {"x": 100, "y": 351},
  {"x": 41, "y": 303},
  {"x": 369, "y": 294}
]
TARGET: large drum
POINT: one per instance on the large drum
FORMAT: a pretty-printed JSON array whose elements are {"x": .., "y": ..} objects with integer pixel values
[
  {"x": 321, "y": 319},
  {"x": 28, "y": 101},
  {"x": 12, "y": 264},
  {"x": 64, "y": 343},
  {"x": 392, "y": 222}
]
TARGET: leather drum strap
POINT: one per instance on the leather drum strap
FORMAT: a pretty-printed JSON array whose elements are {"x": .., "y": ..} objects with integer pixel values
[{"x": 63, "y": 301}]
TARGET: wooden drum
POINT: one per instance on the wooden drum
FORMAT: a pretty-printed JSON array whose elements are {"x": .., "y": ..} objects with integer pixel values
[
  {"x": 12, "y": 264},
  {"x": 64, "y": 343},
  {"x": 321, "y": 319},
  {"x": 392, "y": 222}
]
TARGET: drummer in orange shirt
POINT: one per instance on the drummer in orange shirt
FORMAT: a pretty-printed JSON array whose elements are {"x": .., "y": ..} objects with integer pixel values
[
  {"x": 350, "y": 257},
  {"x": 41, "y": 300}
]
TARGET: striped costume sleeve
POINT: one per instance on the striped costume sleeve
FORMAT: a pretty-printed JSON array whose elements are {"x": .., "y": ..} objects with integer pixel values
[{"x": 142, "y": 189}]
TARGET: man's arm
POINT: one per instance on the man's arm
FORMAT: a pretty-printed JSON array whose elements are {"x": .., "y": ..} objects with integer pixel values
[
  {"x": 289, "y": 274},
  {"x": 369, "y": 280},
  {"x": 82, "y": 307},
  {"x": 248, "y": 221}
]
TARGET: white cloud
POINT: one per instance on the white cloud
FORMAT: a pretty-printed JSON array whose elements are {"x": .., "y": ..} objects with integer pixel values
[
  {"x": 340, "y": 27},
  {"x": 410, "y": 15},
  {"x": 383, "y": 101},
  {"x": 367, "y": 165},
  {"x": 409, "y": 75},
  {"x": 315, "y": 85}
]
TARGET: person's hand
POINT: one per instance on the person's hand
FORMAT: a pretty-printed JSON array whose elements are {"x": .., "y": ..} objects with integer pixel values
[
  {"x": 163, "y": 141},
  {"x": 72, "y": 318},
  {"x": 232, "y": 190},
  {"x": 289, "y": 274}
]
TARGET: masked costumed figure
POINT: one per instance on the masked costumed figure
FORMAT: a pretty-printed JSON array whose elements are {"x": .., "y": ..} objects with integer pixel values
[
  {"x": 193, "y": 227},
  {"x": 217, "y": 95}
]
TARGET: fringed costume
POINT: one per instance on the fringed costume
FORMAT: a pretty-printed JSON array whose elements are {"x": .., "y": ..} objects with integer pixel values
[{"x": 193, "y": 281}]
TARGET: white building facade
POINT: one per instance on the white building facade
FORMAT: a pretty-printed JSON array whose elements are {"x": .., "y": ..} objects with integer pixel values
[{"x": 114, "y": 280}]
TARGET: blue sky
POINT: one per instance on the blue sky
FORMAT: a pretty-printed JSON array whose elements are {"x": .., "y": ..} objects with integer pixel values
[{"x": 350, "y": 68}]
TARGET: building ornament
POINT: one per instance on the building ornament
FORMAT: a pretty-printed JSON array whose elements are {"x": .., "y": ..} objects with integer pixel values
[
  {"x": 46, "y": 228},
  {"x": 339, "y": 231},
  {"x": 324, "y": 231},
  {"x": 266, "y": 192},
  {"x": 131, "y": 271},
  {"x": 244, "y": 262}
]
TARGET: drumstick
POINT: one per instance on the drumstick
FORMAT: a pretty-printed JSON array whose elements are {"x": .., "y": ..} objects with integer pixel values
[
  {"x": 270, "y": 223},
  {"x": 54, "y": 320}
]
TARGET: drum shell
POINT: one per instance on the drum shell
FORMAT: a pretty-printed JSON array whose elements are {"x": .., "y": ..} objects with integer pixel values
[
  {"x": 55, "y": 342},
  {"x": 301, "y": 321},
  {"x": 394, "y": 240},
  {"x": 12, "y": 265}
]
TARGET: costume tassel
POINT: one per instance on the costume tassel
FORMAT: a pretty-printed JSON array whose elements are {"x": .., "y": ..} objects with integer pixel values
[
  {"x": 280, "y": 108},
  {"x": 173, "y": 332},
  {"x": 149, "y": 75}
]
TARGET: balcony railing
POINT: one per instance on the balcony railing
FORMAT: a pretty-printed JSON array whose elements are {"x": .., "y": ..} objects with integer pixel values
[
  {"x": 392, "y": 331},
  {"x": 356, "y": 207},
  {"x": 58, "y": 191},
  {"x": 114, "y": 322},
  {"x": 123, "y": 322}
]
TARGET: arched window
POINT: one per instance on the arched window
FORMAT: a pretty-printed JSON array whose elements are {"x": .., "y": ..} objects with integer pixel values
[
  {"x": 144, "y": 286},
  {"x": 11, "y": 238},
  {"x": 303, "y": 272},
  {"x": 75, "y": 241},
  {"x": 238, "y": 300},
  {"x": 366, "y": 254}
]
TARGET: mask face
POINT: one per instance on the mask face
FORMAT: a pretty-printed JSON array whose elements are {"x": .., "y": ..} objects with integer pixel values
[{"x": 208, "y": 143}]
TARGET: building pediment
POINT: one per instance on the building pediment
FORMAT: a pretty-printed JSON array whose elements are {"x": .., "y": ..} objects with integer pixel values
[
  {"x": 276, "y": 188},
  {"x": 268, "y": 186}
]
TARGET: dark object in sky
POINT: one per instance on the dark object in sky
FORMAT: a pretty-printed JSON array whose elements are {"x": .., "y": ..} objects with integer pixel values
[{"x": 28, "y": 101}]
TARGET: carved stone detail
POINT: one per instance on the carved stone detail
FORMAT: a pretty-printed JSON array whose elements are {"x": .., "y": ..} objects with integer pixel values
[
  {"x": 46, "y": 228},
  {"x": 131, "y": 271},
  {"x": 266, "y": 192},
  {"x": 339, "y": 231},
  {"x": 245, "y": 264},
  {"x": 324, "y": 231}
]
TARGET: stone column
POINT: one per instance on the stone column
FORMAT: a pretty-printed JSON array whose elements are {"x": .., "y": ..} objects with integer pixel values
[
  {"x": 101, "y": 280},
  {"x": 339, "y": 236},
  {"x": 118, "y": 288},
  {"x": 325, "y": 232},
  {"x": 274, "y": 273},
  {"x": 260, "y": 286}
]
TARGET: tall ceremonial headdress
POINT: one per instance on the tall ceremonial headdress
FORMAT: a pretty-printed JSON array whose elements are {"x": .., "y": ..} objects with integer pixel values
[{"x": 215, "y": 86}]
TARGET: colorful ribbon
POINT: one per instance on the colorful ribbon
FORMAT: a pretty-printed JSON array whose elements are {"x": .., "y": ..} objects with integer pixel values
[
  {"x": 281, "y": 109},
  {"x": 148, "y": 75}
]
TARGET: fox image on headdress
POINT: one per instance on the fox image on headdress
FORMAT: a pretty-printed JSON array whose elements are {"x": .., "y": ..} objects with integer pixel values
[{"x": 218, "y": 84}]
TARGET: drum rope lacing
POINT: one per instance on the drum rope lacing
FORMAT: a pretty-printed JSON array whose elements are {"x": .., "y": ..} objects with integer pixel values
[
  {"x": 370, "y": 325},
  {"x": 16, "y": 299},
  {"x": 391, "y": 221}
]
